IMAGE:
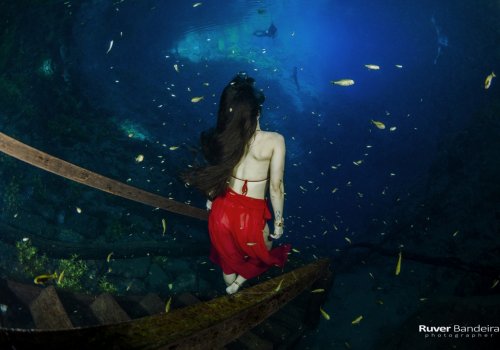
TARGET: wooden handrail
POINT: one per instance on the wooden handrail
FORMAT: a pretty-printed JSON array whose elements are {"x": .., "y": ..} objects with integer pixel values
[{"x": 70, "y": 171}]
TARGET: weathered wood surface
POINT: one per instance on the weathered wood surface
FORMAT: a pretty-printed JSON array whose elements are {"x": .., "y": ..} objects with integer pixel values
[
  {"x": 48, "y": 312},
  {"x": 208, "y": 325},
  {"x": 45, "y": 161}
]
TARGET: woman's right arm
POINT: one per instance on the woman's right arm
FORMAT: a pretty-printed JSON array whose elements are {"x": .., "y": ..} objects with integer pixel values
[{"x": 277, "y": 188}]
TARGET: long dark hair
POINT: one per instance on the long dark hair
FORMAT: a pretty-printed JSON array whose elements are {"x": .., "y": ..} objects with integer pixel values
[{"x": 224, "y": 145}]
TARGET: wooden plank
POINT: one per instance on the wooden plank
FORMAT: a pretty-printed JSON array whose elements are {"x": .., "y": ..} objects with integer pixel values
[
  {"x": 208, "y": 325},
  {"x": 252, "y": 341},
  {"x": 57, "y": 166},
  {"x": 187, "y": 299},
  {"x": 153, "y": 304},
  {"x": 24, "y": 292},
  {"x": 48, "y": 312},
  {"x": 107, "y": 310}
]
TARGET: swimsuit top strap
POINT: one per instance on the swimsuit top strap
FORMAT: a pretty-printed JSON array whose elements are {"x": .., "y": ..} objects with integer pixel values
[{"x": 244, "y": 188}]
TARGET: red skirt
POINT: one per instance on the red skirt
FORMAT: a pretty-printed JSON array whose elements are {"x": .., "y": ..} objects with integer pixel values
[{"x": 236, "y": 224}]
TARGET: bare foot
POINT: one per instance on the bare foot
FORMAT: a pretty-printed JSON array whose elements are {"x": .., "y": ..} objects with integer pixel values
[{"x": 233, "y": 288}]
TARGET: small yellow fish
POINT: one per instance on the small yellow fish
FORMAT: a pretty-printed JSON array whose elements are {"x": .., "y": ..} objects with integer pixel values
[
  {"x": 487, "y": 82},
  {"x": 197, "y": 4},
  {"x": 398, "y": 266},
  {"x": 139, "y": 158},
  {"x": 251, "y": 243},
  {"x": 343, "y": 82},
  {"x": 348, "y": 240},
  {"x": 372, "y": 66},
  {"x": 495, "y": 283},
  {"x": 164, "y": 225},
  {"x": 167, "y": 306},
  {"x": 335, "y": 190},
  {"x": 319, "y": 290},
  {"x": 358, "y": 162},
  {"x": 379, "y": 125},
  {"x": 108, "y": 258},
  {"x": 456, "y": 233},
  {"x": 176, "y": 67},
  {"x": 295, "y": 250},
  {"x": 357, "y": 320},
  {"x": 173, "y": 148},
  {"x": 60, "y": 277},
  {"x": 206, "y": 84},
  {"x": 423, "y": 299},
  {"x": 277, "y": 289},
  {"x": 45, "y": 278},
  {"x": 324, "y": 314},
  {"x": 380, "y": 302},
  {"x": 78, "y": 210},
  {"x": 197, "y": 99},
  {"x": 399, "y": 66},
  {"x": 170, "y": 286},
  {"x": 392, "y": 128}
]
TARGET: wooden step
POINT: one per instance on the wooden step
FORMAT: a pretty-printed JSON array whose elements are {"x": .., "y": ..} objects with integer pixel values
[
  {"x": 48, "y": 312},
  {"x": 107, "y": 310},
  {"x": 187, "y": 299},
  {"x": 252, "y": 341},
  {"x": 152, "y": 303},
  {"x": 24, "y": 292}
]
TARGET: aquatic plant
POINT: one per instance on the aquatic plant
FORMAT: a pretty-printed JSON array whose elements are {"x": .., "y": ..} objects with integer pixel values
[
  {"x": 75, "y": 272},
  {"x": 106, "y": 286},
  {"x": 47, "y": 68},
  {"x": 11, "y": 199},
  {"x": 32, "y": 263}
]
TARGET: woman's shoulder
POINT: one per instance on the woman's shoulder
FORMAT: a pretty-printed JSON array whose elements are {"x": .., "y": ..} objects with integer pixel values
[{"x": 273, "y": 136}]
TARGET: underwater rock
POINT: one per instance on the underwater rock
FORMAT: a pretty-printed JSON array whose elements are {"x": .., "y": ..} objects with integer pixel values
[
  {"x": 185, "y": 282},
  {"x": 68, "y": 235},
  {"x": 131, "y": 268},
  {"x": 157, "y": 279}
]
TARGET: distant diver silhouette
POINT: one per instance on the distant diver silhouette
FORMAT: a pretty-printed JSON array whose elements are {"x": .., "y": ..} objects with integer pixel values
[
  {"x": 270, "y": 32},
  {"x": 294, "y": 77},
  {"x": 442, "y": 40}
]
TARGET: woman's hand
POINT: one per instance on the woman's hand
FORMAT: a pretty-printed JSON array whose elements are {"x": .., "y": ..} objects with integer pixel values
[{"x": 278, "y": 231}]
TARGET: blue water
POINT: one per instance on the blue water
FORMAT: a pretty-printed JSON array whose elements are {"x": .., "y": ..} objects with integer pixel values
[{"x": 344, "y": 177}]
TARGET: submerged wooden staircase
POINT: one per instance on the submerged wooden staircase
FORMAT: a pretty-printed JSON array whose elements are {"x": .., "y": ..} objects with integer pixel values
[
  {"x": 105, "y": 321},
  {"x": 226, "y": 322}
]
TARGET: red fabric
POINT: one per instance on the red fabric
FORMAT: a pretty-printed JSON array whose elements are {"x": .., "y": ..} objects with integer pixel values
[{"x": 234, "y": 221}]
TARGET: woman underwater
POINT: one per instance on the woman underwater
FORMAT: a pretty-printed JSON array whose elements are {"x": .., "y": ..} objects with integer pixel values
[{"x": 243, "y": 163}]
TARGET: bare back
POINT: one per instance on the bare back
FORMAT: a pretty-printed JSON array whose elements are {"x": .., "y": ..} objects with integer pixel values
[{"x": 264, "y": 153}]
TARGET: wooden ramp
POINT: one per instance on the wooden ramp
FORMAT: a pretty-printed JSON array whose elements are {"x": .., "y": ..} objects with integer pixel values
[{"x": 200, "y": 325}]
